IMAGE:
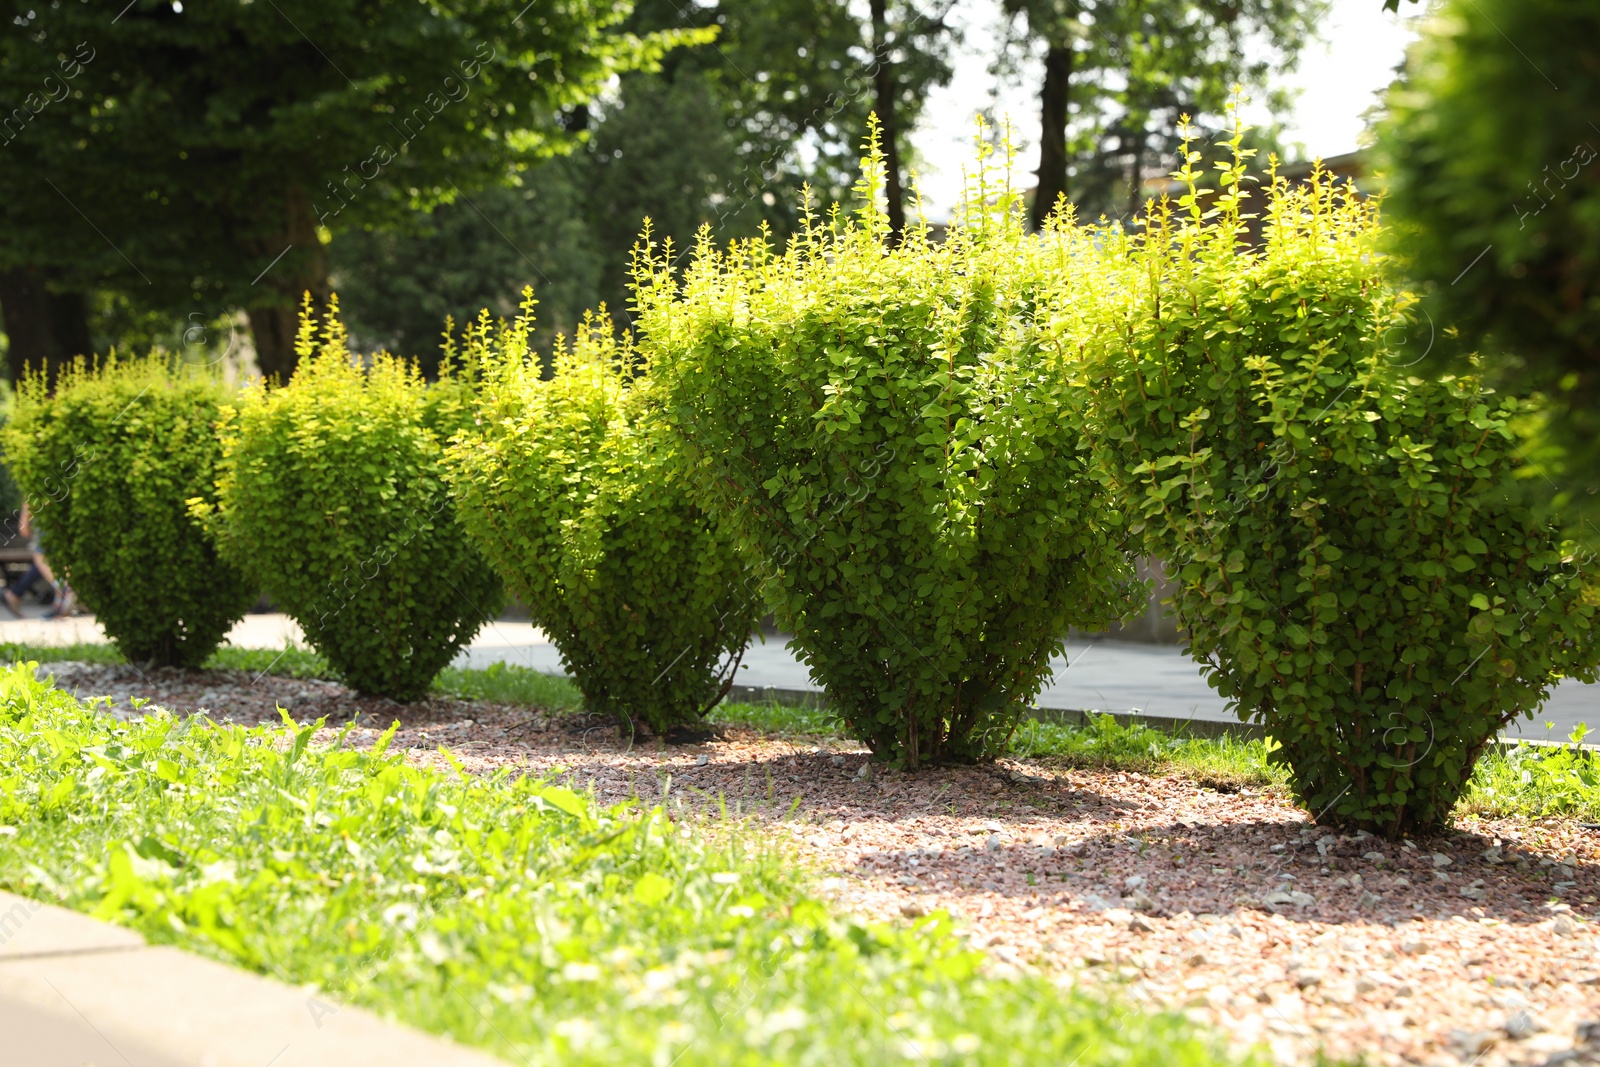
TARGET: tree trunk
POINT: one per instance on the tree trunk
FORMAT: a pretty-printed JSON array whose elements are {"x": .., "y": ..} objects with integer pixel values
[
  {"x": 884, "y": 91},
  {"x": 301, "y": 267},
  {"x": 272, "y": 328},
  {"x": 1136, "y": 179},
  {"x": 1053, "y": 100},
  {"x": 45, "y": 329}
]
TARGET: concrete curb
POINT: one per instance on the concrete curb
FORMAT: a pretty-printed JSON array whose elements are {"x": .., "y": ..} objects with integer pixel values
[{"x": 76, "y": 991}]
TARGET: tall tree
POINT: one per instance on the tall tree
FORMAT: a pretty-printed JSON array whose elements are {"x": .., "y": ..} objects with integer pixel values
[
  {"x": 887, "y": 110},
  {"x": 798, "y": 79},
  {"x": 199, "y": 158},
  {"x": 1117, "y": 74}
]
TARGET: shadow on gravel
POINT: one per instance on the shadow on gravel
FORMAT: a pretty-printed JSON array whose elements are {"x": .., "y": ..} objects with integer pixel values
[
  {"x": 1304, "y": 874},
  {"x": 1094, "y": 840}
]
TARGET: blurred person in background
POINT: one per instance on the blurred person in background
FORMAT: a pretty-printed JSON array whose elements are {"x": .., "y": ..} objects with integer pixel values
[{"x": 61, "y": 596}]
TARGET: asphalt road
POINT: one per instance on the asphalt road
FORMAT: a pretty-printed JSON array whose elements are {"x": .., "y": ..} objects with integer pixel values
[{"x": 1101, "y": 675}]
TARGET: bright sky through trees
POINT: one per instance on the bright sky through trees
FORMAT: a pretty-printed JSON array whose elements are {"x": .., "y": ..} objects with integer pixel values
[{"x": 1338, "y": 81}]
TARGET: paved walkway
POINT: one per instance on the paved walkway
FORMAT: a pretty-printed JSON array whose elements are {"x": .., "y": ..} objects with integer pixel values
[
  {"x": 75, "y": 991},
  {"x": 1103, "y": 675}
]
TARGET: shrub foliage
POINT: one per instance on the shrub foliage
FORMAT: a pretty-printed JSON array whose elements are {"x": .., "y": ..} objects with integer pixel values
[
  {"x": 567, "y": 486},
  {"x": 108, "y": 463},
  {"x": 332, "y": 491},
  {"x": 1350, "y": 567},
  {"x": 888, "y": 433},
  {"x": 1492, "y": 156}
]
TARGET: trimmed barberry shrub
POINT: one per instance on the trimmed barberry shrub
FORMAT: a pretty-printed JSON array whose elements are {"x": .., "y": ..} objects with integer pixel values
[
  {"x": 886, "y": 428},
  {"x": 1352, "y": 568},
  {"x": 332, "y": 492},
  {"x": 109, "y": 463},
  {"x": 568, "y": 485}
]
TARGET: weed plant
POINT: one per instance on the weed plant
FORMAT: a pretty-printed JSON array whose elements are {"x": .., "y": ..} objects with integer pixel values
[
  {"x": 503, "y": 911},
  {"x": 1536, "y": 781}
]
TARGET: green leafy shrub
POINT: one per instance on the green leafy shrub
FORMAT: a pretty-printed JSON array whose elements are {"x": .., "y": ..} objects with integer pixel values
[
  {"x": 509, "y": 912},
  {"x": 1349, "y": 566},
  {"x": 332, "y": 491},
  {"x": 109, "y": 463},
  {"x": 1491, "y": 156},
  {"x": 887, "y": 430},
  {"x": 567, "y": 485}
]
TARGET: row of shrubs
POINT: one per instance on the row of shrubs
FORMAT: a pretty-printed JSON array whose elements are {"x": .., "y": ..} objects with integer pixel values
[{"x": 929, "y": 458}]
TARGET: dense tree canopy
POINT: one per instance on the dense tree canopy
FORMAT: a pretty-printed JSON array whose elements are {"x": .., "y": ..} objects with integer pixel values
[
  {"x": 204, "y": 155},
  {"x": 723, "y": 133},
  {"x": 164, "y": 165}
]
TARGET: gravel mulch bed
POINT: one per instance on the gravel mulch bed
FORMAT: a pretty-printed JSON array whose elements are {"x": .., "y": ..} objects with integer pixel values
[{"x": 1475, "y": 947}]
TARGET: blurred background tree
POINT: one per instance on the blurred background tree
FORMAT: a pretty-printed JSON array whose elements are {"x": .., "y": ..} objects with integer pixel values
[
  {"x": 1117, "y": 75},
  {"x": 397, "y": 287},
  {"x": 1492, "y": 153}
]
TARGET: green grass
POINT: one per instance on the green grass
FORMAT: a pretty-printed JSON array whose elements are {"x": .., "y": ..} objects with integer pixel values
[
  {"x": 504, "y": 683},
  {"x": 507, "y": 912},
  {"x": 1103, "y": 742},
  {"x": 1515, "y": 780},
  {"x": 779, "y": 719},
  {"x": 1531, "y": 780},
  {"x": 1520, "y": 781},
  {"x": 500, "y": 683},
  {"x": 100, "y": 653},
  {"x": 292, "y": 661}
]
